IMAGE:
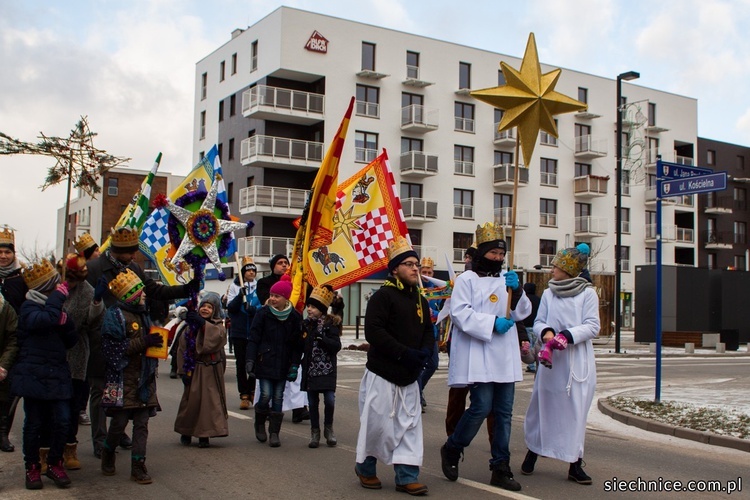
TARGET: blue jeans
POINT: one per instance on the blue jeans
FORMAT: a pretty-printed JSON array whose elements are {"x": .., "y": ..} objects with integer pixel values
[
  {"x": 405, "y": 474},
  {"x": 329, "y": 402},
  {"x": 485, "y": 398},
  {"x": 271, "y": 391},
  {"x": 428, "y": 371}
]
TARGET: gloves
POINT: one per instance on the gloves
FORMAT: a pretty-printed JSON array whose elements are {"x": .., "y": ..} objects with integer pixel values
[
  {"x": 502, "y": 325},
  {"x": 194, "y": 317},
  {"x": 101, "y": 287},
  {"x": 63, "y": 288},
  {"x": 250, "y": 368},
  {"x": 195, "y": 285},
  {"x": 63, "y": 318},
  {"x": 525, "y": 348},
  {"x": 414, "y": 358},
  {"x": 292, "y": 375},
  {"x": 153, "y": 340},
  {"x": 559, "y": 342},
  {"x": 511, "y": 280}
]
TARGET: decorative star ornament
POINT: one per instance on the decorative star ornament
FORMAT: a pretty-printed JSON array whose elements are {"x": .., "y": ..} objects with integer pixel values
[{"x": 529, "y": 100}]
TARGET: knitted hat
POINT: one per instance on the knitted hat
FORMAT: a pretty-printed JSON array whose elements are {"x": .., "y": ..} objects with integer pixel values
[
  {"x": 283, "y": 287},
  {"x": 85, "y": 245},
  {"x": 7, "y": 238},
  {"x": 275, "y": 259},
  {"x": 75, "y": 267},
  {"x": 572, "y": 260},
  {"x": 215, "y": 301},
  {"x": 41, "y": 276},
  {"x": 248, "y": 265},
  {"x": 427, "y": 262},
  {"x": 398, "y": 250},
  {"x": 124, "y": 239},
  {"x": 127, "y": 287},
  {"x": 321, "y": 298},
  {"x": 489, "y": 236}
]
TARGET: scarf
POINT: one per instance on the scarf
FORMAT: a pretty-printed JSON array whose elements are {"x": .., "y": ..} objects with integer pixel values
[
  {"x": 486, "y": 267},
  {"x": 6, "y": 271},
  {"x": 36, "y": 296},
  {"x": 115, "y": 263},
  {"x": 569, "y": 287},
  {"x": 284, "y": 313},
  {"x": 395, "y": 282}
]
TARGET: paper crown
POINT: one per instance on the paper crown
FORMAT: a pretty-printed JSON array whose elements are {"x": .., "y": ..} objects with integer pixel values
[
  {"x": 489, "y": 232},
  {"x": 397, "y": 246},
  {"x": 126, "y": 287},
  {"x": 124, "y": 237},
  {"x": 38, "y": 273},
  {"x": 247, "y": 260},
  {"x": 322, "y": 295},
  {"x": 7, "y": 236},
  {"x": 572, "y": 260},
  {"x": 84, "y": 242},
  {"x": 427, "y": 262}
]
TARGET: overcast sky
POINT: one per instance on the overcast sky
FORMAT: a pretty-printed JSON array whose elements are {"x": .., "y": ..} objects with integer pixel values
[{"x": 129, "y": 66}]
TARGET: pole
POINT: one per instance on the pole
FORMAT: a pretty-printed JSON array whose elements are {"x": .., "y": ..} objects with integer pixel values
[
  {"x": 514, "y": 204},
  {"x": 618, "y": 215},
  {"x": 67, "y": 214},
  {"x": 657, "y": 388}
]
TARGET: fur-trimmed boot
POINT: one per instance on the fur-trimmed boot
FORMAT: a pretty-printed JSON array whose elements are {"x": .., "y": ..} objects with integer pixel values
[
  {"x": 43, "y": 452},
  {"x": 274, "y": 427},
  {"x": 138, "y": 472},
  {"x": 261, "y": 416}
]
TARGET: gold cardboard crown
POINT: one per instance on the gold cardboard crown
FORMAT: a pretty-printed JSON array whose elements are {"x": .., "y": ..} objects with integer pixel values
[
  {"x": 397, "y": 246},
  {"x": 247, "y": 260},
  {"x": 489, "y": 232},
  {"x": 83, "y": 243},
  {"x": 124, "y": 237},
  {"x": 126, "y": 286},
  {"x": 322, "y": 295},
  {"x": 7, "y": 236},
  {"x": 38, "y": 273},
  {"x": 427, "y": 262}
]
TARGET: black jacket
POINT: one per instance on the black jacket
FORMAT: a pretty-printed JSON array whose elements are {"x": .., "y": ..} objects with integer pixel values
[
  {"x": 241, "y": 314},
  {"x": 14, "y": 289},
  {"x": 264, "y": 287},
  {"x": 275, "y": 345},
  {"x": 319, "y": 362},
  {"x": 393, "y": 325}
]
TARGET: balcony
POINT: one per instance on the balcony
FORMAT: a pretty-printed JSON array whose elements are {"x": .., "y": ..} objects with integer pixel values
[
  {"x": 684, "y": 160},
  {"x": 418, "y": 164},
  {"x": 413, "y": 79},
  {"x": 667, "y": 233},
  {"x": 590, "y": 147},
  {"x": 270, "y": 200},
  {"x": 505, "y": 138},
  {"x": 282, "y": 105},
  {"x": 590, "y": 226},
  {"x": 463, "y": 167},
  {"x": 463, "y": 124},
  {"x": 463, "y": 211},
  {"x": 587, "y": 115},
  {"x": 365, "y": 155},
  {"x": 419, "y": 210},
  {"x": 370, "y": 109},
  {"x": 371, "y": 74},
  {"x": 685, "y": 202},
  {"x": 684, "y": 235},
  {"x": 504, "y": 217},
  {"x": 261, "y": 248},
  {"x": 417, "y": 118},
  {"x": 280, "y": 152},
  {"x": 651, "y": 156},
  {"x": 590, "y": 186},
  {"x": 719, "y": 204},
  {"x": 651, "y": 198},
  {"x": 503, "y": 175},
  {"x": 717, "y": 240}
]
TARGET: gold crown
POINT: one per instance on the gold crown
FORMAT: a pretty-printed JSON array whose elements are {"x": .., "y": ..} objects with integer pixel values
[
  {"x": 397, "y": 246},
  {"x": 7, "y": 236},
  {"x": 124, "y": 237},
  {"x": 38, "y": 273},
  {"x": 322, "y": 295},
  {"x": 126, "y": 286},
  {"x": 427, "y": 262},
  {"x": 489, "y": 232},
  {"x": 247, "y": 260},
  {"x": 84, "y": 242}
]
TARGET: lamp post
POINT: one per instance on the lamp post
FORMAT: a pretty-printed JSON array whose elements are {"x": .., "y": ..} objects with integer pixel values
[{"x": 630, "y": 75}]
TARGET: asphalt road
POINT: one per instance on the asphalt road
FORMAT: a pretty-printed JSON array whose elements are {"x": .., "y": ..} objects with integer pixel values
[{"x": 240, "y": 467}]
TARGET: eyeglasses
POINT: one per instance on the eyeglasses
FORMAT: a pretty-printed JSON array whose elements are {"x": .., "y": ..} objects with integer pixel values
[{"x": 410, "y": 265}]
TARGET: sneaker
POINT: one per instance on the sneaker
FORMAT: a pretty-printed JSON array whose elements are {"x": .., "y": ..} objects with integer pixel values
[
  {"x": 503, "y": 477},
  {"x": 34, "y": 477},
  {"x": 577, "y": 474},
  {"x": 527, "y": 467},
  {"x": 56, "y": 472},
  {"x": 83, "y": 418},
  {"x": 449, "y": 462},
  {"x": 413, "y": 489},
  {"x": 371, "y": 483}
]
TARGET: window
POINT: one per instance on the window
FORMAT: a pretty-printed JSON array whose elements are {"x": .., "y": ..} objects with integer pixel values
[
  {"x": 547, "y": 212},
  {"x": 503, "y": 207},
  {"x": 583, "y": 209},
  {"x": 415, "y": 235},
  {"x": 221, "y": 111},
  {"x": 625, "y": 219},
  {"x": 464, "y": 75},
  {"x": 740, "y": 263},
  {"x": 368, "y": 56},
  {"x": 625, "y": 259},
  {"x": 201, "y": 155},
  {"x": 365, "y": 146},
  {"x": 547, "y": 139},
  {"x": 461, "y": 241},
  {"x": 582, "y": 169},
  {"x": 463, "y": 159},
  {"x": 712, "y": 261},
  {"x": 582, "y": 217},
  {"x": 463, "y": 204},
  {"x": 503, "y": 157},
  {"x": 204, "y": 84},
  {"x": 651, "y": 256},
  {"x": 412, "y": 65},
  {"x": 368, "y": 101},
  {"x": 740, "y": 232},
  {"x": 583, "y": 95},
  {"x": 502, "y": 200},
  {"x": 203, "y": 125},
  {"x": 498, "y": 114},
  {"x": 653, "y": 149},
  {"x": 500, "y": 78},
  {"x": 410, "y": 190},
  {"x": 464, "y": 114},
  {"x": 222, "y": 70},
  {"x": 230, "y": 192},
  {"x": 254, "y": 56},
  {"x": 232, "y": 105},
  {"x": 234, "y": 63},
  {"x": 740, "y": 162},
  {"x": 548, "y": 172},
  {"x": 230, "y": 153},
  {"x": 582, "y": 137},
  {"x": 221, "y": 152},
  {"x": 739, "y": 195},
  {"x": 410, "y": 144},
  {"x": 112, "y": 184},
  {"x": 650, "y": 224},
  {"x": 250, "y": 181},
  {"x": 625, "y": 182},
  {"x": 547, "y": 251},
  {"x": 711, "y": 157},
  {"x": 652, "y": 114},
  {"x": 412, "y": 109}
]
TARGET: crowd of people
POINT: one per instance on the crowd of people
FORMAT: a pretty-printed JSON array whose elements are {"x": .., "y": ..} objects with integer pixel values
[{"x": 86, "y": 322}]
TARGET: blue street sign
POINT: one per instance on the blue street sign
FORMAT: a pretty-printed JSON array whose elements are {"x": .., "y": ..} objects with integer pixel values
[
  {"x": 692, "y": 185},
  {"x": 676, "y": 171}
]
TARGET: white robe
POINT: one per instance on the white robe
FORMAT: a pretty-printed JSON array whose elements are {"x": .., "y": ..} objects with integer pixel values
[
  {"x": 294, "y": 396},
  {"x": 478, "y": 354},
  {"x": 555, "y": 424},
  {"x": 390, "y": 422}
]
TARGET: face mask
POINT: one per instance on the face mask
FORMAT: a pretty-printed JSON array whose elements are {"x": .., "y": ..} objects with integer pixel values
[{"x": 489, "y": 266}]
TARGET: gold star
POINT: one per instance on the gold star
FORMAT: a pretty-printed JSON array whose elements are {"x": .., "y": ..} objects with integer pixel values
[
  {"x": 529, "y": 100},
  {"x": 344, "y": 224}
]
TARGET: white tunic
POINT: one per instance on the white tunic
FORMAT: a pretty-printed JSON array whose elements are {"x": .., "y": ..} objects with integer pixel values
[
  {"x": 294, "y": 397},
  {"x": 555, "y": 424},
  {"x": 390, "y": 422},
  {"x": 478, "y": 354}
]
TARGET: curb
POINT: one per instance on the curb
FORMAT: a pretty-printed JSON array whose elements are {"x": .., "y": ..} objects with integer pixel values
[{"x": 672, "y": 430}]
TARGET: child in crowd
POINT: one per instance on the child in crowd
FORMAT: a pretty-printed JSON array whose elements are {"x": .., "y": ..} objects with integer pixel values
[
  {"x": 273, "y": 357},
  {"x": 201, "y": 363},
  {"x": 322, "y": 342},
  {"x": 130, "y": 377}
]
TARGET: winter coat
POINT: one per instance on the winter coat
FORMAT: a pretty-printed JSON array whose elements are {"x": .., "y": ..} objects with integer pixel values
[
  {"x": 264, "y": 287},
  {"x": 322, "y": 342},
  {"x": 130, "y": 376},
  {"x": 14, "y": 289},
  {"x": 8, "y": 343},
  {"x": 87, "y": 317},
  {"x": 242, "y": 309},
  {"x": 41, "y": 369},
  {"x": 393, "y": 324},
  {"x": 275, "y": 345},
  {"x": 203, "y": 407}
]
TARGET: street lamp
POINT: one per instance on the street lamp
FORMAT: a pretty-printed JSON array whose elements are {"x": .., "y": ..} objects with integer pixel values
[{"x": 630, "y": 75}]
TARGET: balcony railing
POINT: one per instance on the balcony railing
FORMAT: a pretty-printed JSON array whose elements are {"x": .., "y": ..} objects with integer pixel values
[
  {"x": 365, "y": 155},
  {"x": 419, "y": 209},
  {"x": 272, "y": 200},
  {"x": 464, "y": 124},
  {"x": 263, "y": 247},
  {"x": 625, "y": 225},
  {"x": 418, "y": 163},
  {"x": 371, "y": 109},
  {"x": 717, "y": 239},
  {"x": 270, "y": 150},
  {"x": 503, "y": 174},
  {"x": 590, "y": 186},
  {"x": 506, "y": 137},
  {"x": 549, "y": 220},
  {"x": 590, "y": 225},
  {"x": 548, "y": 179},
  {"x": 463, "y": 167},
  {"x": 719, "y": 204},
  {"x": 684, "y": 235},
  {"x": 546, "y": 260},
  {"x": 297, "y": 105},
  {"x": 687, "y": 200},
  {"x": 463, "y": 211},
  {"x": 417, "y": 118},
  {"x": 504, "y": 217},
  {"x": 684, "y": 160},
  {"x": 590, "y": 147},
  {"x": 667, "y": 232}
]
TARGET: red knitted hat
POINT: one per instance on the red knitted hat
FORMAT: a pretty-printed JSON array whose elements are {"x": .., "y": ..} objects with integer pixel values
[{"x": 283, "y": 287}]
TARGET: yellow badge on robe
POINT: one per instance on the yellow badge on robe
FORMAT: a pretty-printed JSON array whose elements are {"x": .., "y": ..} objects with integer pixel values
[
  {"x": 136, "y": 326},
  {"x": 493, "y": 298}
]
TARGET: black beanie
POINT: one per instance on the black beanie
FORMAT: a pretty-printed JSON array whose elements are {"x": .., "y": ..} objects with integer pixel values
[{"x": 275, "y": 259}]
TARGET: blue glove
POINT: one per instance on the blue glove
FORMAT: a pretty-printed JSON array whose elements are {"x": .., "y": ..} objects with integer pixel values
[
  {"x": 511, "y": 280},
  {"x": 502, "y": 325},
  {"x": 100, "y": 289},
  {"x": 292, "y": 375}
]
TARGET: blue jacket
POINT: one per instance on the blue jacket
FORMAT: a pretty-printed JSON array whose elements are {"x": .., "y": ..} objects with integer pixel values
[{"x": 242, "y": 312}]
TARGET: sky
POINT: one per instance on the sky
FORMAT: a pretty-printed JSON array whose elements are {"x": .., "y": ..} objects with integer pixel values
[{"x": 130, "y": 67}]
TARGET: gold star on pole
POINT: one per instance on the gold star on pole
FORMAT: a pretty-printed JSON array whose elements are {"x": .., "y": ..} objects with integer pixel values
[{"x": 529, "y": 100}]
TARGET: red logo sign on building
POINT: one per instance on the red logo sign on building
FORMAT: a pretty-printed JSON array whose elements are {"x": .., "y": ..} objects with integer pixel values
[{"x": 317, "y": 43}]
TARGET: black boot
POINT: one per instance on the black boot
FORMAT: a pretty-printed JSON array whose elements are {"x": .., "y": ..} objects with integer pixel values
[
  {"x": 576, "y": 473},
  {"x": 449, "y": 458},
  {"x": 274, "y": 427},
  {"x": 314, "y": 437},
  {"x": 260, "y": 424},
  {"x": 527, "y": 467},
  {"x": 300, "y": 414},
  {"x": 5, "y": 444},
  {"x": 503, "y": 477},
  {"x": 329, "y": 435},
  {"x": 138, "y": 472},
  {"x": 108, "y": 461}
]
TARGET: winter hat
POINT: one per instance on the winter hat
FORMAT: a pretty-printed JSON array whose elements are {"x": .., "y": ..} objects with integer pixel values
[
  {"x": 283, "y": 287},
  {"x": 7, "y": 238},
  {"x": 215, "y": 301},
  {"x": 471, "y": 252},
  {"x": 124, "y": 239},
  {"x": 398, "y": 250},
  {"x": 321, "y": 298},
  {"x": 572, "y": 260},
  {"x": 41, "y": 276},
  {"x": 529, "y": 288},
  {"x": 249, "y": 265},
  {"x": 85, "y": 245},
  {"x": 489, "y": 236},
  {"x": 75, "y": 267},
  {"x": 127, "y": 287},
  {"x": 275, "y": 259}
]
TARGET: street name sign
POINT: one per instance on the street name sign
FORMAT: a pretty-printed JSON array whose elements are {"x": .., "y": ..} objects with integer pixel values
[
  {"x": 676, "y": 171},
  {"x": 692, "y": 185}
]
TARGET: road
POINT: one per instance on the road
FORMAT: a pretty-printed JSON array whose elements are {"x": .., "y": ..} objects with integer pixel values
[{"x": 240, "y": 467}]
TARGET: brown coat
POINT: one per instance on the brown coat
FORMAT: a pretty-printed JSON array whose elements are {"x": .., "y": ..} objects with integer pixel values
[
  {"x": 203, "y": 407},
  {"x": 8, "y": 343},
  {"x": 131, "y": 374}
]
